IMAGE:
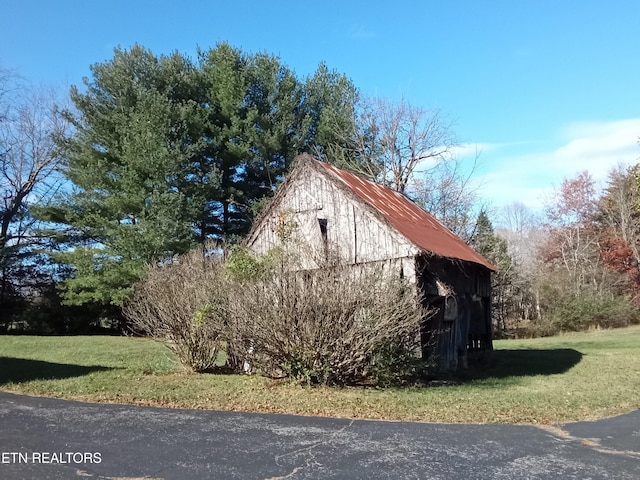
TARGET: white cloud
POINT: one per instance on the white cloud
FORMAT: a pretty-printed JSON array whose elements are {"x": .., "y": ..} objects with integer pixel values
[
  {"x": 360, "y": 32},
  {"x": 597, "y": 147},
  {"x": 473, "y": 149},
  {"x": 466, "y": 152},
  {"x": 514, "y": 184},
  {"x": 530, "y": 177}
]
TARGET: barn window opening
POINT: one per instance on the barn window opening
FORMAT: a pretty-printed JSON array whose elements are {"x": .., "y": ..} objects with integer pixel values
[
  {"x": 450, "y": 308},
  {"x": 323, "y": 234}
]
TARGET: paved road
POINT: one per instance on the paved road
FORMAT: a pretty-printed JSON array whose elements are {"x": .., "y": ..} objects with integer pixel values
[{"x": 43, "y": 438}]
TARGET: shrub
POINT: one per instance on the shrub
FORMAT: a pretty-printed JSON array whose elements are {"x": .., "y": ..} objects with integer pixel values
[
  {"x": 334, "y": 325},
  {"x": 533, "y": 329},
  {"x": 183, "y": 304},
  {"x": 327, "y": 326},
  {"x": 589, "y": 311}
]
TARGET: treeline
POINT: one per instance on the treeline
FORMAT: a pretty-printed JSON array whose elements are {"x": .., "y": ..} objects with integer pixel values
[
  {"x": 575, "y": 266},
  {"x": 155, "y": 155}
]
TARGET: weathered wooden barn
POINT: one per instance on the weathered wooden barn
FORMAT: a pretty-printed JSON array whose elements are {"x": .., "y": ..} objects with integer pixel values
[{"x": 332, "y": 210}]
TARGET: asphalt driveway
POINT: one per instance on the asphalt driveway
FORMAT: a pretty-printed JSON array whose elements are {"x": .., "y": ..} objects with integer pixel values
[{"x": 42, "y": 438}]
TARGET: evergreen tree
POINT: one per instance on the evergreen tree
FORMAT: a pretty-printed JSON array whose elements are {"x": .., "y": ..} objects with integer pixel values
[
  {"x": 167, "y": 154},
  {"x": 495, "y": 249},
  {"x": 131, "y": 144}
]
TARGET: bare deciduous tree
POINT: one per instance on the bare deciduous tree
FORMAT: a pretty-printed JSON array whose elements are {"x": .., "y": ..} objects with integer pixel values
[
  {"x": 447, "y": 191},
  {"x": 389, "y": 141},
  {"x": 521, "y": 229},
  {"x": 29, "y": 163},
  {"x": 30, "y": 158},
  {"x": 518, "y": 218},
  {"x": 524, "y": 237}
]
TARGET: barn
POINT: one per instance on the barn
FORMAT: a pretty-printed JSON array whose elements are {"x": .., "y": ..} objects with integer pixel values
[{"x": 331, "y": 210}]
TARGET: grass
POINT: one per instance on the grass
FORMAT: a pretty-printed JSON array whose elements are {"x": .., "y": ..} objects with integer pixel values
[{"x": 579, "y": 376}]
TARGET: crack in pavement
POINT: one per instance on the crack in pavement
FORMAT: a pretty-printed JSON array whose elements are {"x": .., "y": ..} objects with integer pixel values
[
  {"x": 84, "y": 473},
  {"x": 308, "y": 449},
  {"x": 593, "y": 443},
  {"x": 293, "y": 472}
]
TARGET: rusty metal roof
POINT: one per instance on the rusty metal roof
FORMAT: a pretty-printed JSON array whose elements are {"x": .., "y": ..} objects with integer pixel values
[{"x": 415, "y": 223}]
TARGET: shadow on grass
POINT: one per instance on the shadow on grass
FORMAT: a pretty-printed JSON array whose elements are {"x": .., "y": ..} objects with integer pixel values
[
  {"x": 521, "y": 363},
  {"x": 17, "y": 370}
]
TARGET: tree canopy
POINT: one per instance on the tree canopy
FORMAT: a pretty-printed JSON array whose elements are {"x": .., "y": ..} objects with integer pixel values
[{"x": 167, "y": 153}]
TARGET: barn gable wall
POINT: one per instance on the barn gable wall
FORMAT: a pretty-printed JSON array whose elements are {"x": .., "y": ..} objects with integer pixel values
[{"x": 318, "y": 217}]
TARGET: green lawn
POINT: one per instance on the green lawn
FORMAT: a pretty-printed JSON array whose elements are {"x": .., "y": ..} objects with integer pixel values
[{"x": 544, "y": 381}]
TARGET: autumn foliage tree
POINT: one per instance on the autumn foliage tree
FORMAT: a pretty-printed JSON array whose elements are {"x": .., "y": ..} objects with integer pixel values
[
  {"x": 572, "y": 245},
  {"x": 619, "y": 221},
  {"x": 584, "y": 262}
]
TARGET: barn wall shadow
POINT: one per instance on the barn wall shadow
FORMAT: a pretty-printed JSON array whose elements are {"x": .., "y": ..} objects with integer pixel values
[
  {"x": 23, "y": 370},
  {"x": 520, "y": 363}
]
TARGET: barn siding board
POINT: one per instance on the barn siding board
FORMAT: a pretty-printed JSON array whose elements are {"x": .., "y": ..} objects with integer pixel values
[{"x": 360, "y": 227}]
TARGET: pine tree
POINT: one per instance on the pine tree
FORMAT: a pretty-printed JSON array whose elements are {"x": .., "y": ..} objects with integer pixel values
[
  {"x": 132, "y": 143},
  {"x": 167, "y": 154},
  {"x": 495, "y": 249}
]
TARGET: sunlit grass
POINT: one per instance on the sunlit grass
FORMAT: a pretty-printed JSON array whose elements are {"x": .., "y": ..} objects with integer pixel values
[{"x": 550, "y": 380}]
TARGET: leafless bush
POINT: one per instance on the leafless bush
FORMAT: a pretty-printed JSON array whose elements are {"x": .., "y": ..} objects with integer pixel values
[
  {"x": 182, "y": 303},
  {"x": 328, "y": 326},
  {"x": 335, "y": 325}
]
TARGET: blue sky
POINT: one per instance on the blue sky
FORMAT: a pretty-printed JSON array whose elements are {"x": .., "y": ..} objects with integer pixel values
[{"x": 544, "y": 89}]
